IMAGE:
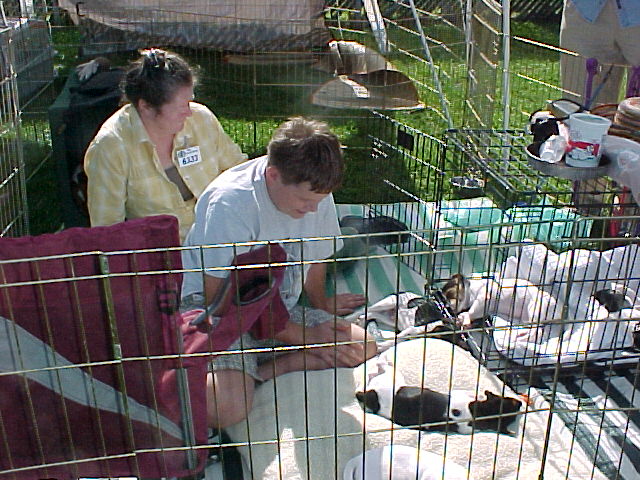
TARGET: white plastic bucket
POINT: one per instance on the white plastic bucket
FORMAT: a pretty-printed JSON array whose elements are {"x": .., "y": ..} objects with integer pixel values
[{"x": 586, "y": 132}]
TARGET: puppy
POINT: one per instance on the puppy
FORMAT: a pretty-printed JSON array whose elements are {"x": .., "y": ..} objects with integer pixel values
[
  {"x": 381, "y": 388},
  {"x": 512, "y": 298},
  {"x": 388, "y": 396},
  {"x": 457, "y": 291},
  {"x": 401, "y": 462},
  {"x": 614, "y": 299}
]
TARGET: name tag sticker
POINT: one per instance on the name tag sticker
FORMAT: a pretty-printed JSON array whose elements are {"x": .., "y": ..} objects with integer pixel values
[{"x": 189, "y": 156}]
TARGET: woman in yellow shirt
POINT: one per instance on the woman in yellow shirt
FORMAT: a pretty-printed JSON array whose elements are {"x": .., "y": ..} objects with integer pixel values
[{"x": 156, "y": 154}]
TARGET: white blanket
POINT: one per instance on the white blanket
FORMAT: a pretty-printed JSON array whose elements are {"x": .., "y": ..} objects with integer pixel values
[
  {"x": 578, "y": 328},
  {"x": 310, "y": 425}
]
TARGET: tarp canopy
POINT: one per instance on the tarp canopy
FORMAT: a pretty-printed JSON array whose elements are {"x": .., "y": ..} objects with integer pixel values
[{"x": 234, "y": 25}]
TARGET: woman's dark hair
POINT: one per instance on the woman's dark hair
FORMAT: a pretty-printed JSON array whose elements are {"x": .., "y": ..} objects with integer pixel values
[
  {"x": 155, "y": 77},
  {"x": 307, "y": 151}
]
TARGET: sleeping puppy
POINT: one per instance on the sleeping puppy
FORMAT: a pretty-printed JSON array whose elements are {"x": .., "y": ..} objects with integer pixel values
[
  {"x": 419, "y": 407},
  {"x": 512, "y": 298},
  {"x": 382, "y": 387}
]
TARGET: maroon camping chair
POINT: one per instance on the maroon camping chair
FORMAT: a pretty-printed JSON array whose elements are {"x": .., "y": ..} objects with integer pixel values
[
  {"x": 100, "y": 375},
  {"x": 90, "y": 381}
]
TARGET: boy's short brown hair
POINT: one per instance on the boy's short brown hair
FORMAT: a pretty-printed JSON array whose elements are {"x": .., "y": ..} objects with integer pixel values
[{"x": 305, "y": 150}]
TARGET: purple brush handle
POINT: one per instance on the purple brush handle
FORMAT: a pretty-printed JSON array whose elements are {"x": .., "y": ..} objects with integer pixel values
[
  {"x": 592, "y": 68},
  {"x": 633, "y": 86}
]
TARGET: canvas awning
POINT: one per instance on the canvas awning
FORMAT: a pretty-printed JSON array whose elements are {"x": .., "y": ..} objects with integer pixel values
[{"x": 239, "y": 25}]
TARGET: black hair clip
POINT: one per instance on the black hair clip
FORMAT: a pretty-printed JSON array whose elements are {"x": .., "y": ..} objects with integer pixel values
[{"x": 155, "y": 58}]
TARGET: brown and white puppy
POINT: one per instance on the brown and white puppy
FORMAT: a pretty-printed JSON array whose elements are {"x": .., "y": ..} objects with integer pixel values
[
  {"x": 425, "y": 409},
  {"x": 457, "y": 291},
  {"x": 516, "y": 299}
]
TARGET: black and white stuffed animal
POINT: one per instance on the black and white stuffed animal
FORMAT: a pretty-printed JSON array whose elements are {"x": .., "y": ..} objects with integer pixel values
[{"x": 461, "y": 411}]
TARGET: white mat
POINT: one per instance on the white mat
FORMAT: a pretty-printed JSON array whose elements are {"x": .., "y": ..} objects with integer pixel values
[{"x": 309, "y": 425}]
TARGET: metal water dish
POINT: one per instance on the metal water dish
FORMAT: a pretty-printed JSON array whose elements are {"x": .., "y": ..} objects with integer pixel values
[{"x": 467, "y": 187}]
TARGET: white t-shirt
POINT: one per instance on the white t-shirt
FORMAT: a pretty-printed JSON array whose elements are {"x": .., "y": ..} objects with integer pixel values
[{"x": 236, "y": 207}]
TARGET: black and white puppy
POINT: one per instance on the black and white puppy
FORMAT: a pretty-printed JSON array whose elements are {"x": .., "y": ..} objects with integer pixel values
[
  {"x": 381, "y": 388},
  {"x": 614, "y": 299},
  {"x": 460, "y": 411}
]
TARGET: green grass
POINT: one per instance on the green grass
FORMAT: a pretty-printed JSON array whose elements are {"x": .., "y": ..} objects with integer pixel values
[
  {"x": 251, "y": 101},
  {"x": 66, "y": 40}
]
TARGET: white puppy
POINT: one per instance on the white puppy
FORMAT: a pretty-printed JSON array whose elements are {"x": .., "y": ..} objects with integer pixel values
[{"x": 517, "y": 300}]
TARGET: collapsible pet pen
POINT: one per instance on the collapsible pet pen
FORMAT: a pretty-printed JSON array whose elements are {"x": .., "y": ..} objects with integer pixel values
[
  {"x": 552, "y": 268},
  {"x": 578, "y": 406},
  {"x": 13, "y": 209},
  {"x": 100, "y": 374},
  {"x": 27, "y": 74},
  {"x": 509, "y": 172},
  {"x": 562, "y": 326}
]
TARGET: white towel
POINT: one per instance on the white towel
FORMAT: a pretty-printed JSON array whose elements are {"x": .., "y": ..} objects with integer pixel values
[{"x": 392, "y": 312}]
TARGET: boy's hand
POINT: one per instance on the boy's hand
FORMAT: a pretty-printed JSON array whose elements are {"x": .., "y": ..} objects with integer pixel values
[
  {"x": 346, "y": 355},
  {"x": 344, "y": 304},
  {"x": 355, "y": 351}
]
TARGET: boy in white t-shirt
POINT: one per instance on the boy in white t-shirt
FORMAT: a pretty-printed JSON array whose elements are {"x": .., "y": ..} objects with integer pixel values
[{"x": 283, "y": 195}]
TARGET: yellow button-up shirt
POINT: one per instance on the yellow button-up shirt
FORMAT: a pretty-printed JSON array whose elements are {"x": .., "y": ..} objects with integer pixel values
[{"x": 126, "y": 180}]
